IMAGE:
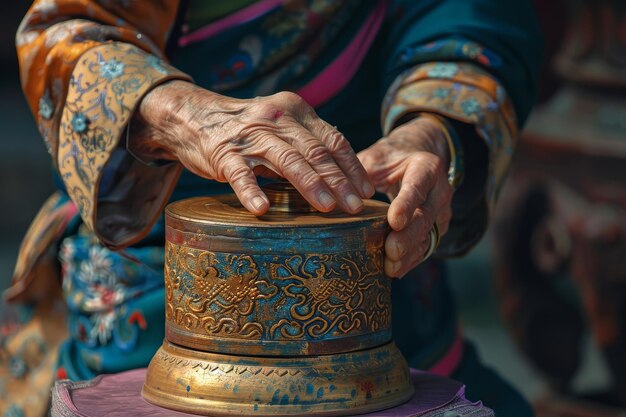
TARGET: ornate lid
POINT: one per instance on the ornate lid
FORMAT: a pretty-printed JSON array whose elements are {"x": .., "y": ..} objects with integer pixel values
[{"x": 287, "y": 209}]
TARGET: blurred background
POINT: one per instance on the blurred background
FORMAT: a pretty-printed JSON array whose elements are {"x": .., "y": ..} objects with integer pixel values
[{"x": 542, "y": 296}]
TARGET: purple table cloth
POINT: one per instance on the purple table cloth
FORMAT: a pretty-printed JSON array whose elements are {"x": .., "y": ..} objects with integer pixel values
[{"x": 119, "y": 395}]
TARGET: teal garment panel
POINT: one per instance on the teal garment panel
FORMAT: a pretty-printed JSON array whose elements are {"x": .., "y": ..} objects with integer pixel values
[
  {"x": 115, "y": 303},
  {"x": 424, "y": 315}
]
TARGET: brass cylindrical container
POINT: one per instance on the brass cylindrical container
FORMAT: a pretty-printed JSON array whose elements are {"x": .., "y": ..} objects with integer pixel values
[{"x": 284, "y": 314}]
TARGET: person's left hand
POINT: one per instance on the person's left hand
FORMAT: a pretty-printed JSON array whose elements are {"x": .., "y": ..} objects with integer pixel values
[{"x": 410, "y": 165}]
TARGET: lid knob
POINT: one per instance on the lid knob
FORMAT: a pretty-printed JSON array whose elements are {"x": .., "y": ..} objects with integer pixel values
[{"x": 285, "y": 198}]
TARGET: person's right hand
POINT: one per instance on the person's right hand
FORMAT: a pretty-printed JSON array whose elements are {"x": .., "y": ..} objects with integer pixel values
[{"x": 228, "y": 140}]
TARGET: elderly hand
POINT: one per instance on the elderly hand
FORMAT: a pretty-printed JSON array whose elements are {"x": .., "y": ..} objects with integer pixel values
[
  {"x": 410, "y": 165},
  {"x": 229, "y": 140}
]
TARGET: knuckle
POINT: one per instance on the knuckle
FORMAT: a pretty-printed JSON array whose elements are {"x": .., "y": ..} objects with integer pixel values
[
  {"x": 337, "y": 181},
  {"x": 336, "y": 142},
  {"x": 316, "y": 154},
  {"x": 308, "y": 179},
  {"x": 290, "y": 99},
  {"x": 238, "y": 174},
  {"x": 289, "y": 157}
]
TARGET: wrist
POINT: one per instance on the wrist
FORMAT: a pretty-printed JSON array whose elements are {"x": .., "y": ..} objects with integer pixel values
[
  {"x": 164, "y": 120},
  {"x": 436, "y": 133}
]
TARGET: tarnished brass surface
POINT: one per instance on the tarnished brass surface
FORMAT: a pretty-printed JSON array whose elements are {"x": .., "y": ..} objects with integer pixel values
[
  {"x": 277, "y": 304},
  {"x": 225, "y": 385},
  {"x": 226, "y": 210},
  {"x": 285, "y": 314},
  {"x": 250, "y": 289}
]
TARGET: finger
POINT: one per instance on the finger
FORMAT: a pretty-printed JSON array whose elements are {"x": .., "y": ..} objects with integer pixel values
[
  {"x": 406, "y": 249},
  {"x": 287, "y": 161},
  {"x": 424, "y": 185},
  {"x": 397, "y": 269},
  {"x": 342, "y": 152},
  {"x": 243, "y": 181},
  {"x": 399, "y": 243},
  {"x": 320, "y": 159}
]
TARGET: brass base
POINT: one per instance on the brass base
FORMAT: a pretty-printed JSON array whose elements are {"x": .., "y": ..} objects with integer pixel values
[{"x": 330, "y": 385}]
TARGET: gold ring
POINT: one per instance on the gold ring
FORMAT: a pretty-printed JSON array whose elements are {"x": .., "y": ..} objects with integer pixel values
[{"x": 434, "y": 241}]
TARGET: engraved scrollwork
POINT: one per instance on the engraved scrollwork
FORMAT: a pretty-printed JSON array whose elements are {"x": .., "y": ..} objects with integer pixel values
[
  {"x": 333, "y": 294},
  {"x": 215, "y": 296},
  {"x": 272, "y": 297}
]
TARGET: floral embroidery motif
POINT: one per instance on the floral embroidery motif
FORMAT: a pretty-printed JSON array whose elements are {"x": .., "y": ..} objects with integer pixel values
[
  {"x": 470, "y": 107},
  {"x": 443, "y": 70},
  {"x": 111, "y": 69},
  {"x": 46, "y": 108},
  {"x": 105, "y": 86},
  {"x": 80, "y": 123},
  {"x": 99, "y": 285}
]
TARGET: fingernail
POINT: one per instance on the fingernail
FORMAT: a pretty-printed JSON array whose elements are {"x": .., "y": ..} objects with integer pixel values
[
  {"x": 326, "y": 200},
  {"x": 258, "y": 202},
  {"x": 368, "y": 189},
  {"x": 354, "y": 202}
]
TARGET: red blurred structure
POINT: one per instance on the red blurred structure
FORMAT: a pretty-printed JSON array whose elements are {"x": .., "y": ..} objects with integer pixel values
[{"x": 561, "y": 232}]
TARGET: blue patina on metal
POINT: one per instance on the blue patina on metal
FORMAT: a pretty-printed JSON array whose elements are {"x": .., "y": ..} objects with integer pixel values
[
  {"x": 284, "y": 314},
  {"x": 276, "y": 288}
]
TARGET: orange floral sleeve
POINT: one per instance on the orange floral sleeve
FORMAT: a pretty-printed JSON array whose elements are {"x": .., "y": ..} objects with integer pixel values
[{"x": 84, "y": 67}]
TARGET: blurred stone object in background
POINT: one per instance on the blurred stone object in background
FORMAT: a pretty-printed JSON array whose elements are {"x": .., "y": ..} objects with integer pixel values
[{"x": 560, "y": 236}]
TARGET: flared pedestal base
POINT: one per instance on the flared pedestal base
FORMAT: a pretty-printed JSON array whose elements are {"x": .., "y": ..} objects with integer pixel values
[{"x": 330, "y": 385}]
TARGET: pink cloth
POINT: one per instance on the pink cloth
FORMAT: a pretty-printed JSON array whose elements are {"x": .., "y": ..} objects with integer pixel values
[
  {"x": 242, "y": 16},
  {"x": 452, "y": 359},
  {"x": 338, "y": 74},
  {"x": 119, "y": 395}
]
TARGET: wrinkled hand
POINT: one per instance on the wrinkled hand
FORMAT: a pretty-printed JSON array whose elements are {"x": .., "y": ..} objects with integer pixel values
[
  {"x": 410, "y": 165},
  {"x": 232, "y": 140}
]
